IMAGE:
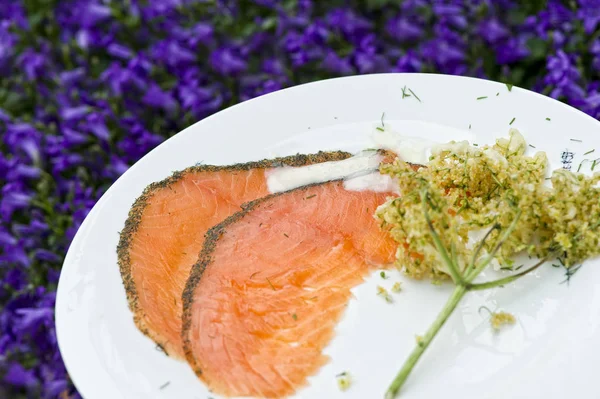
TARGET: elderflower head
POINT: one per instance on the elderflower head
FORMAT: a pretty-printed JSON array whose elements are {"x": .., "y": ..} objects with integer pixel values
[
  {"x": 500, "y": 319},
  {"x": 465, "y": 190}
]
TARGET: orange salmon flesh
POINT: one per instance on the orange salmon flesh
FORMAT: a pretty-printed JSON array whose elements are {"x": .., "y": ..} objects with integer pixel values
[
  {"x": 165, "y": 233},
  {"x": 273, "y": 281}
]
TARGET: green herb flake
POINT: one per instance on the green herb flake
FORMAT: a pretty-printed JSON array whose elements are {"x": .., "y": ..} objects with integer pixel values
[
  {"x": 497, "y": 94},
  {"x": 163, "y": 386},
  {"x": 548, "y": 119},
  {"x": 589, "y": 152},
  {"x": 414, "y": 95},
  {"x": 294, "y": 316},
  {"x": 383, "y": 276},
  {"x": 532, "y": 146},
  {"x": 269, "y": 281},
  {"x": 512, "y": 120},
  {"x": 311, "y": 196},
  {"x": 577, "y": 140},
  {"x": 404, "y": 94},
  {"x": 469, "y": 126},
  {"x": 482, "y": 98},
  {"x": 286, "y": 235},
  {"x": 570, "y": 272},
  {"x": 382, "y": 116},
  {"x": 380, "y": 129}
]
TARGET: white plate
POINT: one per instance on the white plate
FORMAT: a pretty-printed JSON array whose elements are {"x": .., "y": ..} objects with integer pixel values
[{"x": 551, "y": 353}]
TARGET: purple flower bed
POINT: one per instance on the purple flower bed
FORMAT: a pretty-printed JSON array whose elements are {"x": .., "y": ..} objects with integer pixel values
[{"x": 87, "y": 87}]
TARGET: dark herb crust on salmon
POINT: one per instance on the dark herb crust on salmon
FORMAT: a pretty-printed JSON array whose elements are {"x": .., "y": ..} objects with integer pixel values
[{"x": 135, "y": 214}]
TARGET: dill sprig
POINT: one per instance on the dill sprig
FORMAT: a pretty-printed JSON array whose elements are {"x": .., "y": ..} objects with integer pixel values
[
  {"x": 589, "y": 152},
  {"x": 414, "y": 95},
  {"x": 404, "y": 94}
]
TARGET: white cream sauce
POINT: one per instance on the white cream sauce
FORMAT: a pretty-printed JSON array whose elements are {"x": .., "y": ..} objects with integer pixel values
[
  {"x": 373, "y": 182},
  {"x": 409, "y": 149},
  {"x": 288, "y": 178}
]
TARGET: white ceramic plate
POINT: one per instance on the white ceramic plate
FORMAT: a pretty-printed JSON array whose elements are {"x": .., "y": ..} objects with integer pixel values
[{"x": 552, "y": 352}]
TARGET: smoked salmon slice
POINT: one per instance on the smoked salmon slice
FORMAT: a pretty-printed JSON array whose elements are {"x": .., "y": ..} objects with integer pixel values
[
  {"x": 164, "y": 234},
  {"x": 271, "y": 283}
]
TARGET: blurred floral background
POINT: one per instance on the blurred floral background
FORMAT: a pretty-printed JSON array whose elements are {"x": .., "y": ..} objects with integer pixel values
[{"x": 87, "y": 87}]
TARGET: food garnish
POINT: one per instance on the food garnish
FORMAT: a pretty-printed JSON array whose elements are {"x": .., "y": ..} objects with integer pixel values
[{"x": 471, "y": 207}]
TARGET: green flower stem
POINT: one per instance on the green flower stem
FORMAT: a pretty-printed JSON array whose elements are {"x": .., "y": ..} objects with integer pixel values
[
  {"x": 452, "y": 267},
  {"x": 505, "y": 280},
  {"x": 479, "y": 248},
  {"x": 463, "y": 285},
  {"x": 414, "y": 357},
  {"x": 474, "y": 273}
]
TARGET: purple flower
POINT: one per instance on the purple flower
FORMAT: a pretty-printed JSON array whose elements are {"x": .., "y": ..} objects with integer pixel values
[
  {"x": 157, "y": 98},
  {"x": 348, "y": 22},
  {"x": 404, "y": 29},
  {"x": 30, "y": 319},
  {"x": 32, "y": 64},
  {"x": 119, "y": 51},
  {"x": 492, "y": 31},
  {"x": 201, "y": 33},
  {"x": 45, "y": 255},
  {"x": 95, "y": 123},
  {"x": 91, "y": 14},
  {"x": 273, "y": 66},
  {"x": 410, "y": 62},
  {"x": 22, "y": 172},
  {"x": 6, "y": 239},
  {"x": 442, "y": 52},
  {"x": 15, "y": 278},
  {"x": 513, "y": 50},
  {"x": 69, "y": 114},
  {"x": 335, "y": 64},
  {"x": 227, "y": 62},
  {"x": 172, "y": 53},
  {"x": 12, "y": 201},
  {"x": 18, "y": 376}
]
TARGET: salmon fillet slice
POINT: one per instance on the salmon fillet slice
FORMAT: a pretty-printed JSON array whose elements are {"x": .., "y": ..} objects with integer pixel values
[
  {"x": 271, "y": 284},
  {"x": 164, "y": 233}
]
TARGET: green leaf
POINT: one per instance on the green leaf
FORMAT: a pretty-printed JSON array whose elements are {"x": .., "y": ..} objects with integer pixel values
[{"x": 538, "y": 48}]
